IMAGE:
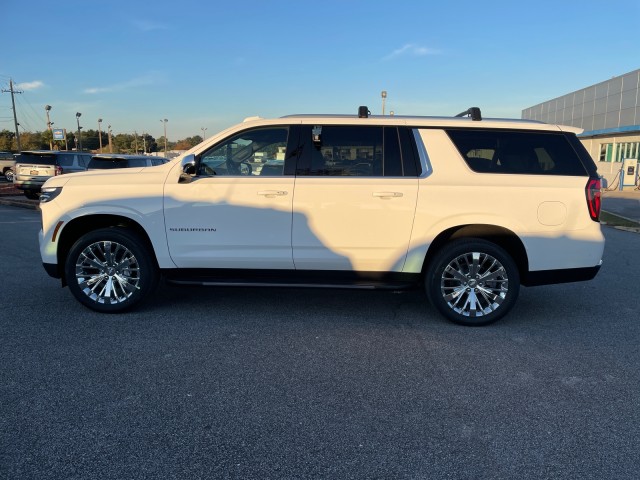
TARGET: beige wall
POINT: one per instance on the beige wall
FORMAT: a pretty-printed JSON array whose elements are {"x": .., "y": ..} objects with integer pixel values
[{"x": 608, "y": 170}]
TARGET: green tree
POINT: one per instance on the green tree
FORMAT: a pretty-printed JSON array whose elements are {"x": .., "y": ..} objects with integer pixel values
[
  {"x": 188, "y": 142},
  {"x": 33, "y": 141},
  {"x": 7, "y": 141}
]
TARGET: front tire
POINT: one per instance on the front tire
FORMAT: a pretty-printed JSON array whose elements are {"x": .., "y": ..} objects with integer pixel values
[
  {"x": 472, "y": 282},
  {"x": 109, "y": 270}
]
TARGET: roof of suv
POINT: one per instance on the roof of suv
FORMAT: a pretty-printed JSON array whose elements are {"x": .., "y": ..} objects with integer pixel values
[{"x": 419, "y": 121}]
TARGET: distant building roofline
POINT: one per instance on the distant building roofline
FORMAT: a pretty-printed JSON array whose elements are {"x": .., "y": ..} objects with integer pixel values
[{"x": 610, "y": 131}]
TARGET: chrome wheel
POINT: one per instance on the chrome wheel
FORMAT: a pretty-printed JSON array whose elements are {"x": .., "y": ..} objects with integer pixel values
[
  {"x": 474, "y": 284},
  {"x": 107, "y": 272},
  {"x": 472, "y": 281}
]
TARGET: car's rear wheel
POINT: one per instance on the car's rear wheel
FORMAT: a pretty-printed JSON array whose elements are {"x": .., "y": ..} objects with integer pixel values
[
  {"x": 472, "y": 282},
  {"x": 109, "y": 270},
  {"x": 8, "y": 174}
]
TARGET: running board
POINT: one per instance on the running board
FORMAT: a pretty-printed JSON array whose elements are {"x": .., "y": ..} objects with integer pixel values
[{"x": 291, "y": 278}]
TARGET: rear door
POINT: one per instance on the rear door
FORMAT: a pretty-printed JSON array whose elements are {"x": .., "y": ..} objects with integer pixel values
[{"x": 355, "y": 199}]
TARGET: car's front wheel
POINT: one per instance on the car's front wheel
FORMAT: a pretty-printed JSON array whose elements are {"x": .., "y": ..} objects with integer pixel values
[
  {"x": 109, "y": 270},
  {"x": 472, "y": 282},
  {"x": 8, "y": 174}
]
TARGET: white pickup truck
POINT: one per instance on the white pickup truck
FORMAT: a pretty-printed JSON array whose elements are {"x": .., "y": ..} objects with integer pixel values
[{"x": 7, "y": 165}]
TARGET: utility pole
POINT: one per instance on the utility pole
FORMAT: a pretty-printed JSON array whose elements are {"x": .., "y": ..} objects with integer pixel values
[
  {"x": 15, "y": 117},
  {"x": 136, "y": 137},
  {"x": 109, "y": 135}
]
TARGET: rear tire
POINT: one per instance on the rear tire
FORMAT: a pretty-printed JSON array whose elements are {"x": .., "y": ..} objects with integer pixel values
[
  {"x": 472, "y": 282},
  {"x": 109, "y": 270}
]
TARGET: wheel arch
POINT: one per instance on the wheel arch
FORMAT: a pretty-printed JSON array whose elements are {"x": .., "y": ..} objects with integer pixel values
[
  {"x": 79, "y": 226},
  {"x": 501, "y": 236}
]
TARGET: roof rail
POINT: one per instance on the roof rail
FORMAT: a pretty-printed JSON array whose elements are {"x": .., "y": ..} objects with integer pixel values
[{"x": 473, "y": 112}]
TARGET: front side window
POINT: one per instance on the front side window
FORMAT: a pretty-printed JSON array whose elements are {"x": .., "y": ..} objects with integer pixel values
[
  {"x": 254, "y": 152},
  {"x": 527, "y": 153}
]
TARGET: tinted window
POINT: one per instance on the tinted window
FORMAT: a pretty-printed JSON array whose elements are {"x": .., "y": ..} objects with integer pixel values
[
  {"x": 530, "y": 153},
  {"x": 37, "y": 158},
  {"x": 351, "y": 151},
  {"x": 66, "y": 160},
  {"x": 108, "y": 163}
]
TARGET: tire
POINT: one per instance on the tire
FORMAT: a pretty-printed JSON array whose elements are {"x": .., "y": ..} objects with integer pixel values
[
  {"x": 8, "y": 175},
  {"x": 109, "y": 270},
  {"x": 32, "y": 194},
  {"x": 472, "y": 282}
]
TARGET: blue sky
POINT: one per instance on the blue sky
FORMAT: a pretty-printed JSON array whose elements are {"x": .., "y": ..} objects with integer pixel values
[{"x": 211, "y": 64}]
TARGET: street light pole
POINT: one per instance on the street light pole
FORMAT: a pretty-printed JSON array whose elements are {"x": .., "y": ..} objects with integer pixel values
[
  {"x": 78, "y": 115},
  {"x": 46, "y": 109},
  {"x": 100, "y": 133},
  {"x": 384, "y": 97},
  {"x": 109, "y": 135},
  {"x": 204, "y": 129},
  {"x": 165, "y": 136}
]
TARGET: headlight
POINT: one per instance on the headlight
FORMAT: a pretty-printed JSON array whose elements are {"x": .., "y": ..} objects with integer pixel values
[{"x": 49, "y": 194}]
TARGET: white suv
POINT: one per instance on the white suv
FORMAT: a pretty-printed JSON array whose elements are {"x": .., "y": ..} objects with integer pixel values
[{"x": 468, "y": 208}]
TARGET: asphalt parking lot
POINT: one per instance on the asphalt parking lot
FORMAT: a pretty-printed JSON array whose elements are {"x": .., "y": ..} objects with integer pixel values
[{"x": 270, "y": 383}]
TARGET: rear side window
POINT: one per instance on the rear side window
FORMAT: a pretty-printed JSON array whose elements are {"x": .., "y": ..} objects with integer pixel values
[
  {"x": 350, "y": 151},
  {"x": 525, "y": 153},
  {"x": 109, "y": 163},
  {"x": 65, "y": 160}
]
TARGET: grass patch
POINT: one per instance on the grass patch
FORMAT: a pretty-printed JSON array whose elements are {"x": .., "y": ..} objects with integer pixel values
[{"x": 615, "y": 221}]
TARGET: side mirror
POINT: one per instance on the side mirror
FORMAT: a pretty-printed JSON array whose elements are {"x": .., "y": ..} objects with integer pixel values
[{"x": 189, "y": 164}]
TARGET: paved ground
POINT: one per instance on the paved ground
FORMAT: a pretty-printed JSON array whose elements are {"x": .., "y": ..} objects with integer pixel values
[
  {"x": 625, "y": 204},
  {"x": 255, "y": 383}
]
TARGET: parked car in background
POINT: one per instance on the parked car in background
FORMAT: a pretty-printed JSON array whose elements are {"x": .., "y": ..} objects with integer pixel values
[
  {"x": 7, "y": 165},
  {"x": 105, "y": 161},
  {"x": 33, "y": 168}
]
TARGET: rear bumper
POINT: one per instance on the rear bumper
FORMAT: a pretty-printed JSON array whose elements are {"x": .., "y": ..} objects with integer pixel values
[
  {"x": 28, "y": 185},
  {"x": 549, "y": 277}
]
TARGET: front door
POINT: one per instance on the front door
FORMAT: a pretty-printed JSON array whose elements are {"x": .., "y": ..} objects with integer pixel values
[{"x": 236, "y": 212}]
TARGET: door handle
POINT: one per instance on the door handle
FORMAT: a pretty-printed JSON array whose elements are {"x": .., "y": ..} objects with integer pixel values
[
  {"x": 387, "y": 195},
  {"x": 272, "y": 193}
]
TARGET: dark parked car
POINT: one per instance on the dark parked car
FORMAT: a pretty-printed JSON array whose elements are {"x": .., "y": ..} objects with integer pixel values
[{"x": 107, "y": 161}]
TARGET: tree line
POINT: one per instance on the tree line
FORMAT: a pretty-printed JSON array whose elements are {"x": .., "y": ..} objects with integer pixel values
[{"x": 120, "y": 143}]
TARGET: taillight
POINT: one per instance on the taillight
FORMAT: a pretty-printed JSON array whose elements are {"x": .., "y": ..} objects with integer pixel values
[
  {"x": 593, "y": 198},
  {"x": 58, "y": 170}
]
